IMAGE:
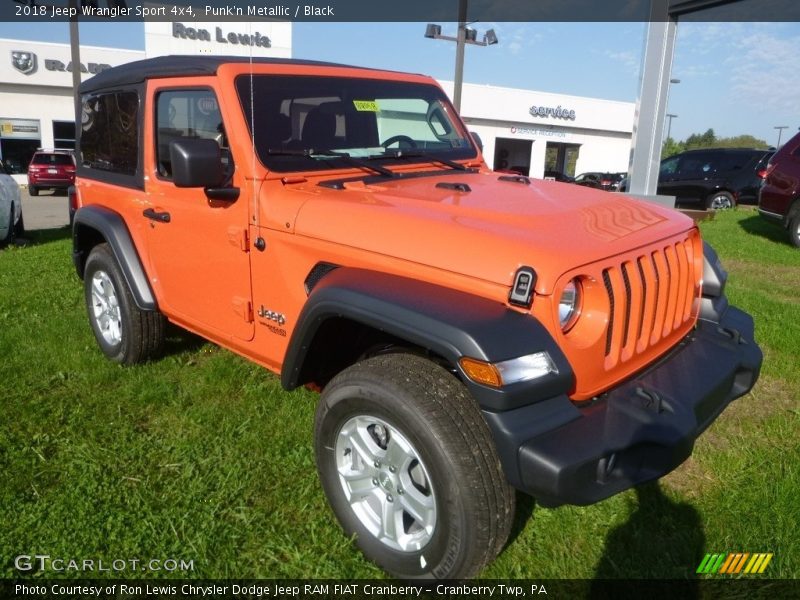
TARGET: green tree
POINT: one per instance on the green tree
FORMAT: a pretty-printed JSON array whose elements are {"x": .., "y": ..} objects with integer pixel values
[
  {"x": 742, "y": 141},
  {"x": 701, "y": 140},
  {"x": 671, "y": 147},
  {"x": 709, "y": 139}
]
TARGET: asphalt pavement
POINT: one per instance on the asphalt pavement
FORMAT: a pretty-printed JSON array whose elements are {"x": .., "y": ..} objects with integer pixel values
[{"x": 48, "y": 210}]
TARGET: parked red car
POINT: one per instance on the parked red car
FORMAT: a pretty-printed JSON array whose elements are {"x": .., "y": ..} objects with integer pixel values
[
  {"x": 779, "y": 196},
  {"x": 51, "y": 169}
]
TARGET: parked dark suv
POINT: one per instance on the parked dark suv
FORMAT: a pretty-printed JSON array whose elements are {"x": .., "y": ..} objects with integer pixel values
[
  {"x": 716, "y": 178},
  {"x": 600, "y": 181},
  {"x": 51, "y": 169},
  {"x": 779, "y": 197}
]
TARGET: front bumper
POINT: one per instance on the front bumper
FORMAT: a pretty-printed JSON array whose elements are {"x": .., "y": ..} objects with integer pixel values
[{"x": 637, "y": 432}]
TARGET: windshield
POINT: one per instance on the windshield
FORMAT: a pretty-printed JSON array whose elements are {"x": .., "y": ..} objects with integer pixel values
[{"x": 301, "y": 119}]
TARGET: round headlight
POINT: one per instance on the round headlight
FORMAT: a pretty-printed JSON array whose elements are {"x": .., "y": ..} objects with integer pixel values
[{"x": 569, "y": 305}]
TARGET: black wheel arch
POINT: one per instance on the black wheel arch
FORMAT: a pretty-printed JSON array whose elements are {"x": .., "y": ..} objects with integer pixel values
[
  {"x": 94, "y": 225},
  {"x": 352, "y": 310}
]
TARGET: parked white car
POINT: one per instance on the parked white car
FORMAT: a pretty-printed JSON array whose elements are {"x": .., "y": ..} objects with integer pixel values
[{"x": 11, "y": 224}]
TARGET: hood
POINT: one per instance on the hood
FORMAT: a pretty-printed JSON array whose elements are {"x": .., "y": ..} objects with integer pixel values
[{"x": 489, "y": 231}]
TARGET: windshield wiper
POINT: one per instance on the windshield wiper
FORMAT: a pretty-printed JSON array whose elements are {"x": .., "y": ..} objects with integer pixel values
[
  {"x": 313, "y": 153},
  {"x": 418, "y": 154}
]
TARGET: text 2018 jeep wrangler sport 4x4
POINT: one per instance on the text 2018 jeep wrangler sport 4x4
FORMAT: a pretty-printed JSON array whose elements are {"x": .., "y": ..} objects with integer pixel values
[{"x": 471, "y": 332}]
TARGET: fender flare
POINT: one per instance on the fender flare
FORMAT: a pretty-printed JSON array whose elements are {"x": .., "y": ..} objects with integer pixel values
[
  {"x": 111, "y": 227},
  {"x": 447, "y": 322}
]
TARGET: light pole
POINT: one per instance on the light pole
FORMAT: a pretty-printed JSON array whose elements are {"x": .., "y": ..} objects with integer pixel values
[
  {"x": 780, "y": 129},
  {"x": 75, "y": 56},
  {"x": 466, "y": 35},
  {"x": 670, "y": 116}
]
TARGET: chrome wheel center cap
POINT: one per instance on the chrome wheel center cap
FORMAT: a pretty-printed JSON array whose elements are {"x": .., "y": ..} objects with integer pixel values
[{"x": 386, "y": 482}]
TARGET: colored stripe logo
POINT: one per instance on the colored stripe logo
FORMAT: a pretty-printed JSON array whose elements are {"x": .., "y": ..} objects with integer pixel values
[{"x": 735, "y": 563}]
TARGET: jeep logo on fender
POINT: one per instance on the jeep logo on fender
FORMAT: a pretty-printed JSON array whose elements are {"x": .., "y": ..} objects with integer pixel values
[{"x": 272, "y": 316}]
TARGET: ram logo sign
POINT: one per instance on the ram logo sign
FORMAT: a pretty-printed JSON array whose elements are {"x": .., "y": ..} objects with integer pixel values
[{"x": 24, "y": 62}]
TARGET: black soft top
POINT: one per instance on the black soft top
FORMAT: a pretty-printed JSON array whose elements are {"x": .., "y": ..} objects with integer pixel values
[{"x": 179, "y": 66}]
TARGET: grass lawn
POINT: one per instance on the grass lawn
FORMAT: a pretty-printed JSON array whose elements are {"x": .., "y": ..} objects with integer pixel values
[{"x": 201, "y": 456}]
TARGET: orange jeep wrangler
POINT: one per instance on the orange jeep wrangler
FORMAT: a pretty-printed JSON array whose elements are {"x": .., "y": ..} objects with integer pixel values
[{"x": 470, "y": 332}]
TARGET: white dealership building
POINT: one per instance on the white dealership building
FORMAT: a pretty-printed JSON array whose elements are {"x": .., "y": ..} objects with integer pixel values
[{"x": 523, "y": 130}]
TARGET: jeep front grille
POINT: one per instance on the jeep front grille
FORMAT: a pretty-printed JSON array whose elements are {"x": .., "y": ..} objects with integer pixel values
[{"x": 650, "y": 296}]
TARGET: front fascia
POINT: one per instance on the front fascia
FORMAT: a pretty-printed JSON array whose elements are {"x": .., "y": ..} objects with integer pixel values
[{"x": 640, "y": 430}]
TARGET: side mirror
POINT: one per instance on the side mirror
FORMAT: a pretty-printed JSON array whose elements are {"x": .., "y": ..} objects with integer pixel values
[
  {"x": 477, "y": 139},
  {"x": 196, "y": 163}
]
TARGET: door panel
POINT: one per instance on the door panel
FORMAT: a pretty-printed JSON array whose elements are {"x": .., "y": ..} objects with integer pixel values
[{"x": 198, "y": 252}]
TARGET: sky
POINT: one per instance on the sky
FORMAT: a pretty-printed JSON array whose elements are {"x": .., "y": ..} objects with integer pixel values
[{"x": 737, "y": 78}]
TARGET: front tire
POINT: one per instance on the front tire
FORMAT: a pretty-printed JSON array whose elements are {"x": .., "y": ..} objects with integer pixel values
[
  {"x": 409, "y": 467},
  {"x": 125, "y": 333},
  {"x": 9, "y": 235},
  {"x": 19, "y": 228},
  {"x": 33, "y": 190}
]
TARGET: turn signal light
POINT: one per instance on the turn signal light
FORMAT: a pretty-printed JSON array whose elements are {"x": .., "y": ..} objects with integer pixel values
[
  {"x": 522, "y": 368},
  {"x": 481, "y": 372}
]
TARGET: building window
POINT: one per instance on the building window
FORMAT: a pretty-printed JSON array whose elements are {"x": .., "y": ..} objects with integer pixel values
[
  {"x": 64, "y": 134},
  {"x": 110, "y": 132},
  {"x": 19, "y": 139}
]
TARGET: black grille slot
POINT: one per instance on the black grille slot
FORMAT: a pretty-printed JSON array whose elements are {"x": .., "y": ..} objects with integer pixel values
[
  {"x": 657, "y": 291},
  {"x": 610, "y": 291},
  {"x": 627, "y": 322},
  {"x": 644, "y": 295}
]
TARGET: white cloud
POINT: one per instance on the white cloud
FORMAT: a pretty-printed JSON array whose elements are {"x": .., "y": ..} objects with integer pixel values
[
  {"x": 514, "y": 38},
  {"x": 629, "y": 60},
  {"x": 764, "y": 72}
]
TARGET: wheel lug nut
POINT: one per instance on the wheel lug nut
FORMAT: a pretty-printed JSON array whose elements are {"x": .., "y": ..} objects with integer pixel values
[
  {"x": 374, "y": 482},
  {"x": 392, "y": 469},
  {"x": 400, "y": 491},
  {"x": 377, "y": 464},
  {"x": 389, "y": 498}
]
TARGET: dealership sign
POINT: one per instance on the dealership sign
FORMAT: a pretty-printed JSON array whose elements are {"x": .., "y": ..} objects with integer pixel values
[
  {"x": 26, "y": 62},
  {"x": 19, "y": 128},
  {"x": 549, "y": 111},
  {"x": 182, "y": 32},
  {"x": 540, "y": 132}
]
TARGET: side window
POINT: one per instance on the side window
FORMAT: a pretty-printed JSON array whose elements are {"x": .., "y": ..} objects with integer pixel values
[
  {"x": 697, "y": 166},
  {"x": 669, "y": 166},
  {"x": 110, "y": 132},
  {"x": 188, "y": 114}
]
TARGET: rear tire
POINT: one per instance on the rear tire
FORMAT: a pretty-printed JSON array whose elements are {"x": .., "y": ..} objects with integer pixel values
[
  {"x": 410, "y": 469},
  {"x": 720, "y": 201},
  {"x": 33, "y": 190},
  {"x": 794, "y": 229},
  {"x": 125, "y": 333}
]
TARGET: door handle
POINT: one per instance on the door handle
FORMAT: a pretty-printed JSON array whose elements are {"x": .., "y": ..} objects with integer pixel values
[{"x": 162, "y": 217}]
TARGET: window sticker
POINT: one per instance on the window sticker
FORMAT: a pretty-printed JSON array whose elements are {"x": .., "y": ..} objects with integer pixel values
[
  {"x": 207, "y": 105},
  {"x": 366, "y": 105}
]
